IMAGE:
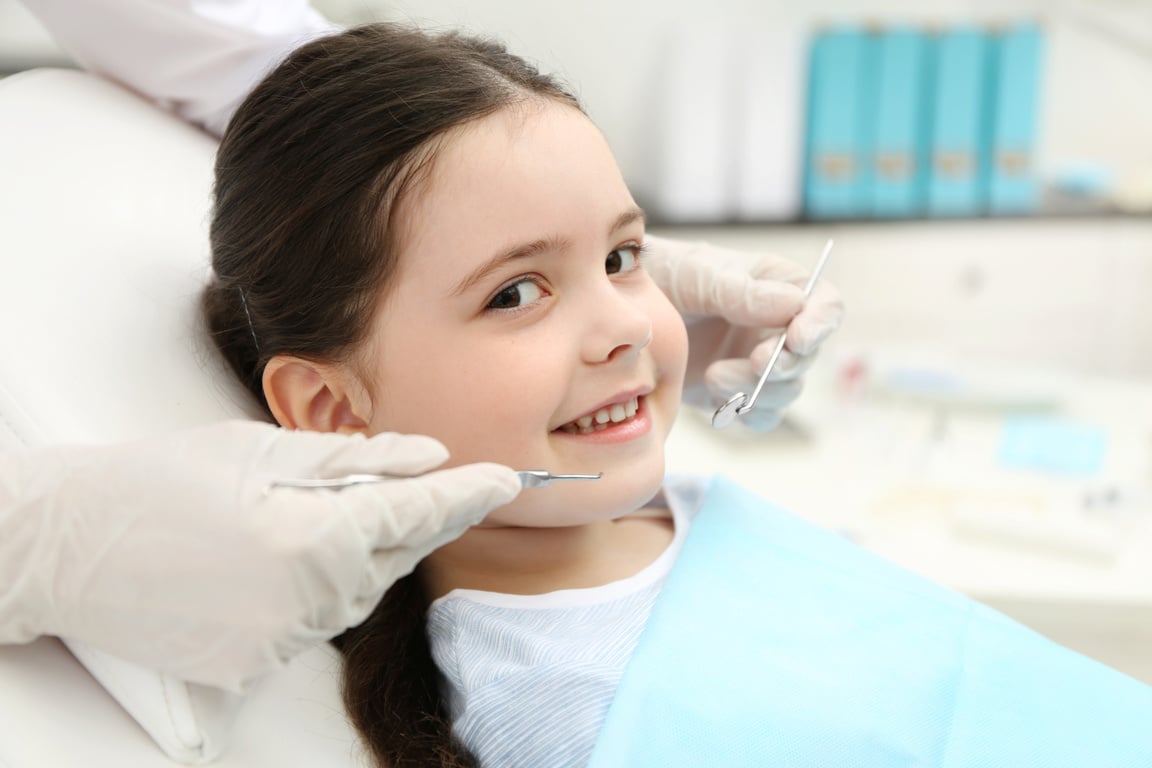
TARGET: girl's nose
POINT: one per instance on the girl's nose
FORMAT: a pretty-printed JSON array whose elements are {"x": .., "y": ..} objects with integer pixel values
[{"x": 618, "y": 325}]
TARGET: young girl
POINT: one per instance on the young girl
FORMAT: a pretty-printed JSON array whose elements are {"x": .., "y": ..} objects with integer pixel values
[
  {"x": 425, "y": 235},
  {"x": 419, "y": 234}
]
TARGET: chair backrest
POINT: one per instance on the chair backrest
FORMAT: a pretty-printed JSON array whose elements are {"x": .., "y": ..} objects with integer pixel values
[{"x": 104, "y": 204}]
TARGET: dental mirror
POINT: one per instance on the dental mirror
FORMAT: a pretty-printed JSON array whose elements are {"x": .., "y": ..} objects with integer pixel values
[{"x": 740, "y": 403}]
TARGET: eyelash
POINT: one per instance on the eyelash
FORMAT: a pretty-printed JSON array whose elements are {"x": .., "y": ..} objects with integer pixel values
[
  {"x": 525, "y": 280},
  {"x": 638, "y": 251}
]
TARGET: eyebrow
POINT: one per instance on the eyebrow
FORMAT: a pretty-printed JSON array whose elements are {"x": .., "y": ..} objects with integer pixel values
[{"x": 536, "y": 247}]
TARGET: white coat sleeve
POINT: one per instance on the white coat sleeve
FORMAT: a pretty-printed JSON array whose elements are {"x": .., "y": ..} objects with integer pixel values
[{"x": 198, "y": 58}]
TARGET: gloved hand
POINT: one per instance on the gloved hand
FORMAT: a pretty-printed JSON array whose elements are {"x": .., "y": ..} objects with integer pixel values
[
  {"x": 735, "y": 306},
  {"x": 173, "y": 552}
]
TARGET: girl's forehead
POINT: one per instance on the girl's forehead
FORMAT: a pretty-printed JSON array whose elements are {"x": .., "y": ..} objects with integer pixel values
[
  {"x": 528, "y": 155},
  {"x": 536, "y": 132},
  {"x": 531, "y": 171}
]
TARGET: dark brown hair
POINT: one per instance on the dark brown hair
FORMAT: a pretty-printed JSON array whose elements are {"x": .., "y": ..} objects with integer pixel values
[{"x": 305, "y": 231}]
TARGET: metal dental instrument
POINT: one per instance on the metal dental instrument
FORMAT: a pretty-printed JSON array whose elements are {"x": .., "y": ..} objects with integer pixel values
[
  {"x": 538, "y": 478},
  {"x": 529, "y": 478},
  {"x": 740, "y": 403}
]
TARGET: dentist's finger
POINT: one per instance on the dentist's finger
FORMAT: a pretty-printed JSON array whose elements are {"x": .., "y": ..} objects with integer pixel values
[
  {"x": 822, "y": 314},
  {"x": 742, "y": 299},
  {"x": 705, "y": 281},
  {"x": 762, "y": 419},
  {"x": 725, "y": 378},
  {"x": 788, "y": 366},
  {"x": 426, "y": 512},
  {"x": 328, "y": 454}
]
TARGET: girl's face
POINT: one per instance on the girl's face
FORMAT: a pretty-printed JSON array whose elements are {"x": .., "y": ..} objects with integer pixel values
[{"x": 521, "y": 318}]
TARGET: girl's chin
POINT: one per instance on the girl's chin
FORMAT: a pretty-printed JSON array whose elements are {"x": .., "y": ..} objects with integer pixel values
[{"x": 567, "y": 504}]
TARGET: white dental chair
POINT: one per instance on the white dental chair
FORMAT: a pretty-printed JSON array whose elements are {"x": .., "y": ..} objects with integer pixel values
[{"x": 104, "y": 205}]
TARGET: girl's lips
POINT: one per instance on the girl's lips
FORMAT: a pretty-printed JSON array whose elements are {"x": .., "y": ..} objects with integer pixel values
[
  {"x": 603, "y": 417},
  {"x": 630, "y": 428},
  {"x": 620, "y": 407}
]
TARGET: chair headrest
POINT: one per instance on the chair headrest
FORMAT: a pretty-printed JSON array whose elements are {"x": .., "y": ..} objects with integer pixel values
[{"x": 103, "y": 223}]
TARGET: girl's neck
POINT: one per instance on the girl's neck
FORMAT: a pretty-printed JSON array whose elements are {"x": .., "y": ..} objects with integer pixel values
[{"x": 528, "y": 561}]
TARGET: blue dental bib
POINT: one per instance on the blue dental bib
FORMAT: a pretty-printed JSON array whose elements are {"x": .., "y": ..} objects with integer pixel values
[{"x": 777, "y": 643}]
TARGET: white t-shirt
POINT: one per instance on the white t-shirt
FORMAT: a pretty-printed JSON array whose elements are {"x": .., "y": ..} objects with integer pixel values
[{"x": 529, "y": 678}]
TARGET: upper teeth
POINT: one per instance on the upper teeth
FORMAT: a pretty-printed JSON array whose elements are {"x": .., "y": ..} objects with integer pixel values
[{"x": 613, "y": 413}]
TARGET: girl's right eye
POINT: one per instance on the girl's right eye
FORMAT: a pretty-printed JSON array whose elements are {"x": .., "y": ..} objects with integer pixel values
[{"x": 523, "y": 292}]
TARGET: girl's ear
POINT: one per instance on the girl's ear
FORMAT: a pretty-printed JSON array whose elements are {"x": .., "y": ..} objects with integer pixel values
[{"x": 317, "y": 397}]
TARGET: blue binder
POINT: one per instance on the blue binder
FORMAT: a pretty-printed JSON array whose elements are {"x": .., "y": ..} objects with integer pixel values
[
  {"x": 1012, "y": 183},
  {"x": 899, "y": 156},
  {"x": 959, "y": 166},
  {"x": 836, "y": 158}
]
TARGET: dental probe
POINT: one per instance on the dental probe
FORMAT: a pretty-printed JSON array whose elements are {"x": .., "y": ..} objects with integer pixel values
[
  {"x": 529, "y": 478},
  {"x": 740, "y": 403}
]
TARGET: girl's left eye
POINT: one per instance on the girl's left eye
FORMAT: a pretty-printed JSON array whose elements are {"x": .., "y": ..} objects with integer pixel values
[
  {"x": 516, "y": 295},
  {"x": 623, "y": 259}
]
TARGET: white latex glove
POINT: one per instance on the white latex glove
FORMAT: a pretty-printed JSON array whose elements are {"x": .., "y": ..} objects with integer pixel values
[
  {"x": 735, "y": 306},
  {"x": 172, "y": 552}
]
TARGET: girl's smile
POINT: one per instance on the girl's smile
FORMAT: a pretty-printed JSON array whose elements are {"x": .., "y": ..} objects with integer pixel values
[{"x": 619, "y": 420}]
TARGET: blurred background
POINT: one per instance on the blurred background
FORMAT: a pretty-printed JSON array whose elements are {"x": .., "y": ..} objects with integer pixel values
[
  {"x": 712, "y": 107},
  {"x": 988, "y": 163},
  {"x": 984, "y": 415}
]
